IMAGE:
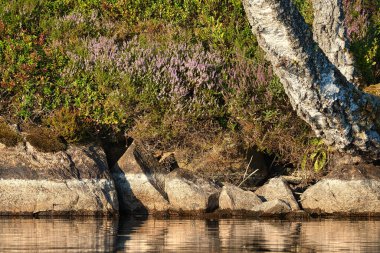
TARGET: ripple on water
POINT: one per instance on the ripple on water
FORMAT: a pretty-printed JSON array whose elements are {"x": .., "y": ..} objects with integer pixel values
[{"x": 187, "y": 235}]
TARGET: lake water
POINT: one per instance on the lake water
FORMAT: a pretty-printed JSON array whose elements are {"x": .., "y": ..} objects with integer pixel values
[{"x": 187, "y": 235}]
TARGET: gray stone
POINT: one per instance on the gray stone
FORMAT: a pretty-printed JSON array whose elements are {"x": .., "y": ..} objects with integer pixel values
[
  {"x": 339, "y": 196},
  {"x": 273, "y": 207},
  {"x": 278, "y": 188},
  {"x": 140, "y": 182},
  {"x": 75, "y": 181},
  {"x": 187, "y": 192},
  {"x": 234, "y": 198}
]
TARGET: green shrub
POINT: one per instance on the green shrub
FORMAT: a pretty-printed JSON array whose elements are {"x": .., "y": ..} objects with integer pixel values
[{"x": 306, "y": 9}]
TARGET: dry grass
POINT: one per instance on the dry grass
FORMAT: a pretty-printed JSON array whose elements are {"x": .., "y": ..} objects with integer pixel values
[
  {"x": 45, "y": 140},
  {"x": 8, "y": 136},
  {"x": 373, "y": 89}
]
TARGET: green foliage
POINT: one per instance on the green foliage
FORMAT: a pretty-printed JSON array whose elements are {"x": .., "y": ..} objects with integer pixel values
[
  {"x": 317, "y": 155},
  {"x": 362, "y": 19},
  {"x": 306, "y": 9},
  {"x": 66, "y": 123}
]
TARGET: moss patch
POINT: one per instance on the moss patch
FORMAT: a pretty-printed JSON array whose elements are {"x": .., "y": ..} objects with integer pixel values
[
  {"x": 8, "y": 136},
  {"x": 45, "y": 140}
]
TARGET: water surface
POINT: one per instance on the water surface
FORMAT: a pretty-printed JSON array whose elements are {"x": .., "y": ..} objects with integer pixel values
[{"x": 187, "y": 235}]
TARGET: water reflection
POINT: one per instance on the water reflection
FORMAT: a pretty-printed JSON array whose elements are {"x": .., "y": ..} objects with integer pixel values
[
  {"x": 150, "y": 235},
  {"x": 57, "y": 235}
]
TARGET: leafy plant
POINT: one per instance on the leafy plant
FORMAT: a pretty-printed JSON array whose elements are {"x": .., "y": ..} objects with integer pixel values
[{"x": 317, "y": 155}]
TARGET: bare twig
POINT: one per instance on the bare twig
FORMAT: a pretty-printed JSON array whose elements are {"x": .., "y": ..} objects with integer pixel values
[
  {"x": 247, "y": 177},
  {"x": 246, "y": 170}
]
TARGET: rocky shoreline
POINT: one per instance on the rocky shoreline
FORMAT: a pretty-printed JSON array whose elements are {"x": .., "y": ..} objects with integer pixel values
[{"x": 78, "y": 181}]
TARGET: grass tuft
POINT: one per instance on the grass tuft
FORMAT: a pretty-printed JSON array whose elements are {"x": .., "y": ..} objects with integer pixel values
[
  {"x": 45, "y": 140},
  {"x": 8, "y": 136}
]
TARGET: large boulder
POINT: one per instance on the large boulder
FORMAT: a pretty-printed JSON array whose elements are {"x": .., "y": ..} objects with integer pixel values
[
  {"x": 278, "y": 189},
  {"x": 234, "y": 198},
  {"x": 75, "y": 181},
  {"x": 139, "y": 180},
  {"x": 330, "y": 196},
  {"x": 188, "y": 193}
]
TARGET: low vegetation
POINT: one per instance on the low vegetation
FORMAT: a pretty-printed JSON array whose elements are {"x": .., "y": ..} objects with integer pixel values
[
  {"x": 45, "y": 140},
  {"x": 8, "y": 136},
  {"x": 176, "y": 74}
]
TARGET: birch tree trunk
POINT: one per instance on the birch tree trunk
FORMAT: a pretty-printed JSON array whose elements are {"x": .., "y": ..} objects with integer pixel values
[
  {"x": 317, "y": 77},
  {"x": 331, "y": 35}
]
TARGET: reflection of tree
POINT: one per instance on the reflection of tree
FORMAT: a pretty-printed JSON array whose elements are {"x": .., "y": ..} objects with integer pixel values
[
  {"x": 317, "y": 77},
  {"x": 246, "y": 236}
]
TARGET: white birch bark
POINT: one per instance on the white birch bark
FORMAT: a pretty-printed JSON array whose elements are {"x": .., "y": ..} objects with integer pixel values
[
  {"x": 331, "y": 35},
  {"x": 345, "y": 117}
]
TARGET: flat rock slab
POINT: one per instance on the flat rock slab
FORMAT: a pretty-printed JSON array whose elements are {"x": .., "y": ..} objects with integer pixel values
[
  {"x": 234, "y": 198},
  {"x": 331, "y": 196},
  {"x": 278, "y": 189},
  {"x": 46, "y": 197},
  {"x": 79, "y": 162},
  {"x": 75, "y": 181},
  {"x": 187, "y": 192}
]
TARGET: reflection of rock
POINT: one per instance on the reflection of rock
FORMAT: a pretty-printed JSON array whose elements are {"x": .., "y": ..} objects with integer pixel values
[
  {"x": 234, "y": 198},
  {"x": 278, "y": 189},
  {"x": 339, "y": 196},
  {"x": 254, "y": 236},
  {"x": 57, "y": 235},
  {"x": 166, "y": 236},
  {"x": 340, "y": 236},
  {"x": 184, "y": 235},
  {"x": 187, "y": 192},
  {"x": 139, "y": 182},
  {"x": 75, "y": 181}
]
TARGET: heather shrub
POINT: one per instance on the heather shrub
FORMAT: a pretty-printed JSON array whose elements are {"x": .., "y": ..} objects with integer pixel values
[{"x": 184, "y": 78}]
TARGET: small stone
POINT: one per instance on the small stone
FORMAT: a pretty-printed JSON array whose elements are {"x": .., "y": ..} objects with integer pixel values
[
  {"x": 187, "y": 192},
  {"x": 278, "y": 188},
  {"x": 273, "y": 207},
  {"x": 234, "y": 198}
]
